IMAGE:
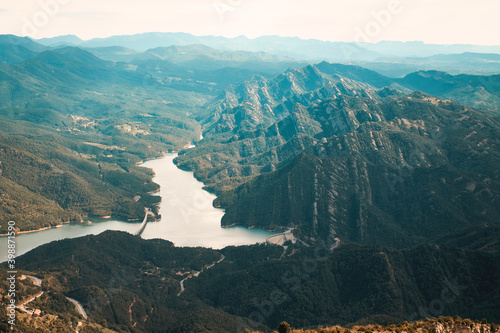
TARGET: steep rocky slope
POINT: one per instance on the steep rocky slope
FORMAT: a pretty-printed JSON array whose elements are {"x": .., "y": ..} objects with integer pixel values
[{"x": 367, "y": 165}]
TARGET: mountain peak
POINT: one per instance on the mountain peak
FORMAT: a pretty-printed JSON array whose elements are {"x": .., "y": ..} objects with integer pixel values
[
  {"x": 22, "y": 41},
  {"x": 60, "y": 40}
]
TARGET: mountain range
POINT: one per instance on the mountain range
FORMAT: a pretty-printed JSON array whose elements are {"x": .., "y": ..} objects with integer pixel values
[
  {"x": 338, "y": 158},
  {"x": 265, "y": 125},
  {"x": 391, "y": 58},
  {"x": 389, "y": 184},
  {"x": 307, "y": 48}
]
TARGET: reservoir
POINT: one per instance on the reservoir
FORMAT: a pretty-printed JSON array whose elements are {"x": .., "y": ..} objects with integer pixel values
[{"x": 188, "y": 217}]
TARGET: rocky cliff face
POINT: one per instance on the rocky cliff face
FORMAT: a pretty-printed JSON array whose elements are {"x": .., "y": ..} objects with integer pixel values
[
  {"x": 262, "y": 101},
  {"x": 373, "y": 166}
]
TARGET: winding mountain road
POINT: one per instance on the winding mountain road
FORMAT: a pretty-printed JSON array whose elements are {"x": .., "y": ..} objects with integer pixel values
[
  {"x": 78, "y": 306},
  {"x": 197, "y": 273},
  {"x": 38, "y": 282},
  {"x": 21, "y": 306}
]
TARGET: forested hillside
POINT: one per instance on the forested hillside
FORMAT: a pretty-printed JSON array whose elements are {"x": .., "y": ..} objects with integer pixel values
[
  {"x": 132, "y": 285},
  {"x": 74, "y": 125},
  {"x": 388, "y": 189}
]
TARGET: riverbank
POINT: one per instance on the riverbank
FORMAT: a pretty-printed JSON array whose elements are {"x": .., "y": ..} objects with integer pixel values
[
  {"x": 188, "y": 218},
  {"x": 20, "y": 232},
  {"x": 188, "y": 215},
  {"x": 108, "y": 217}
]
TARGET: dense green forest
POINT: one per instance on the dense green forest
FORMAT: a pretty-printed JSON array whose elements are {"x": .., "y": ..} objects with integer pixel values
[
  {"x": 257, "y": 287},
  {"x": 48, "y": 178},
  {"x": 354, "y": 282},
  {"x": 74, "y": 128},
  {"x": 391, "y": 194},
  {"x": 74, "y": 125}
]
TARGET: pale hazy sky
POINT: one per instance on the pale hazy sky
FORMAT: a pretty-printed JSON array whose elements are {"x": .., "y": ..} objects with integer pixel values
[{"x": 432, "y": 21}]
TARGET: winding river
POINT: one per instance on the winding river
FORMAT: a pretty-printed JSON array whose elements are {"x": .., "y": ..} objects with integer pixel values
[{"x": 188, "y": 217}]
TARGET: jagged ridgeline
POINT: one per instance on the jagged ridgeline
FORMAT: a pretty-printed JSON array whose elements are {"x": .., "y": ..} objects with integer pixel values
[
  {"x": 334, "y": 150},
  {"x": 74, "y": 125},
  {"x": 339, "y": 153},
  {"x": 336, "y": 157}
]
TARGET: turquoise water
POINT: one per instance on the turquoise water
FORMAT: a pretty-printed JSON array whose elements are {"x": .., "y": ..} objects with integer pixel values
[{"x": 188, "y": 217}]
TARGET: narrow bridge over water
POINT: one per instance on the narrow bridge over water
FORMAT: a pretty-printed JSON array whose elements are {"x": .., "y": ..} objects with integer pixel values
[{"x": 144, "y": 222}]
